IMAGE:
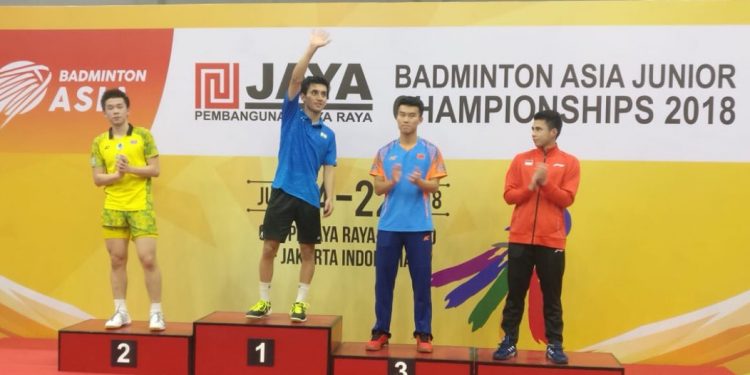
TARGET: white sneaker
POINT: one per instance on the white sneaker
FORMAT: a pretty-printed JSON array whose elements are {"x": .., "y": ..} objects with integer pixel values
[
  {"x": 118, "y": 320},
  {"x": 156, "y": 322}
]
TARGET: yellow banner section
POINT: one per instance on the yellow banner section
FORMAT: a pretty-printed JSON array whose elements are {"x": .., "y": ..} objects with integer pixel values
[
  {"x": 643, "y": 234},
  {"x": 532, "y": 13}
]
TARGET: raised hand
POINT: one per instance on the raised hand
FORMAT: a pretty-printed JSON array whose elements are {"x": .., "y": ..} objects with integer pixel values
[{"x": 319, "y": 38}]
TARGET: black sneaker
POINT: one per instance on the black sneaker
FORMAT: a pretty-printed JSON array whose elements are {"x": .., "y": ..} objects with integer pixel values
[
  {"x": 505, "y": 350},
  {"x": 556, "y": 354}
]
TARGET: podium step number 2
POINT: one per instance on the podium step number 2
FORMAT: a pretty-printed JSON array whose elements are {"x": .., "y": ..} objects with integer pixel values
[
  {"x": 124, "y": 353},
  {"x": 134, "y": 349}
]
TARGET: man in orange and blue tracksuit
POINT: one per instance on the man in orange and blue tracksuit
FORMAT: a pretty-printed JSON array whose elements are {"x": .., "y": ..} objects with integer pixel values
[
  {"x": 541, "y": 183},
  {"x": 406, "y": 170}
]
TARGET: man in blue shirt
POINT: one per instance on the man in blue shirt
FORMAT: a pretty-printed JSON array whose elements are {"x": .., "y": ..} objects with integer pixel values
[
  {"x": 405, "y": 221},
  {"x": 306, "y": 144}
]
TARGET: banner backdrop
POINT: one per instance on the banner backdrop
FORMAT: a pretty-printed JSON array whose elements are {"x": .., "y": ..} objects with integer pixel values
[
  {"x": 655, "y": 109},
  {"x": 638, "y": 85}
]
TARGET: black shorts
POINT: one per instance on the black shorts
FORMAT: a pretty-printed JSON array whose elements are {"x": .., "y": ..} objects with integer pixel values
[{"x": 283, "y": 209}]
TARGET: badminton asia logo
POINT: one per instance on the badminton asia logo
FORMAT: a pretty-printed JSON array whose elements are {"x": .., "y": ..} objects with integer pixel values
[
  {"x": 23, "y": 85},
  {"x": 491, "y": 267}
]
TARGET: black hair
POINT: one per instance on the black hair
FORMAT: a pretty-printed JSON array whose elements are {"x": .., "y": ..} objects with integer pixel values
[
  {"x": 115, "y": 93},
  {"x": 315, "y": 79},
  {"x": 552, "y": 118},
  {"x": 411, "y": 101}
]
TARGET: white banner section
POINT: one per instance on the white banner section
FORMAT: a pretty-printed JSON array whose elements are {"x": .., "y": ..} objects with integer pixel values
[{"x": 626, "y": 93}]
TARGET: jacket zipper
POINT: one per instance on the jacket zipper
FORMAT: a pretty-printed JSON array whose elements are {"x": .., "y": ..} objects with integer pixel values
[{"x": 536, "y": 208}]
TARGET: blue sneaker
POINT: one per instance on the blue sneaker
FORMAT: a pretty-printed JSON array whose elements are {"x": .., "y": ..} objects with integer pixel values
[
  {"x": 506, "y": 350},
  {"x": 556, "y": 354}
]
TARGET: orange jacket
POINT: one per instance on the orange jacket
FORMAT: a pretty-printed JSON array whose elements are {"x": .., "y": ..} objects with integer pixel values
[{"x": 538, "y": 215}]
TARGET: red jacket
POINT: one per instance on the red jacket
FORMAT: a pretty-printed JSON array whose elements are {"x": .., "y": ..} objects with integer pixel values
[{"x": 538, "y": 215}]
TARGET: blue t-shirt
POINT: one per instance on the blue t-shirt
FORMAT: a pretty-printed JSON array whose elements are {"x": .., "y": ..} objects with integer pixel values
[
  {"x": 304, "y": 147},
  {"x": 406, "y": 207}
]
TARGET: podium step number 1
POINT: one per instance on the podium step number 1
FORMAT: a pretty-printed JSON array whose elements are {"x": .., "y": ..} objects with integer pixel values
[
  {"x": 260, "y": 352},
  {"x": 229, "y": 343}
]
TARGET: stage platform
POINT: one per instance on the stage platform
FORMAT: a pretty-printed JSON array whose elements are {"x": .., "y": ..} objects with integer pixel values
[{"x": 230, "y": 343}]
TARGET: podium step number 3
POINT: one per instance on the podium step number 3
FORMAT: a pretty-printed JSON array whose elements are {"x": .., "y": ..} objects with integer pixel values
[{"x": 401, "y": 366}]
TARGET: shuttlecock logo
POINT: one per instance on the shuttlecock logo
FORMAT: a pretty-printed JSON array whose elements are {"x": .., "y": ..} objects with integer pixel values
[{"x": 22, "y": 86}]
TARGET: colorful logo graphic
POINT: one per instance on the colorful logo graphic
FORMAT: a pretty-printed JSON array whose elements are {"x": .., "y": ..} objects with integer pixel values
[
  {"x": 22, "y": 86},
  {"x": 217, "y": 85},
  {"x": 491, "y": 267}
]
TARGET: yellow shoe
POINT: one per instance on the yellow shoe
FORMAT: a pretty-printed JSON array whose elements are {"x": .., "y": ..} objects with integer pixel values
[
  {"x": 298, "y": 313},
  {"x": 259, "y": 310}
]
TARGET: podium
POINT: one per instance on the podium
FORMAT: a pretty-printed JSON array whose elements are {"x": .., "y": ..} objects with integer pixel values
[
  {"x": 133, "y": 349},
  {"x": 230, "y": 343},
  {"x": 352, "y": 359},
  {"x": 530, "y": 362}
]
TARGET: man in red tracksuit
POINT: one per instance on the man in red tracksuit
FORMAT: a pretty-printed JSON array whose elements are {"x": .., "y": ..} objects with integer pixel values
[{"x": 541, "y": 183}]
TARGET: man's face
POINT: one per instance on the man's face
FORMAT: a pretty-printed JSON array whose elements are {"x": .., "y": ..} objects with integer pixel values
[
  {"x": 541, "y": 133},
  {"x": 116, "y": 111},
  {"x": 315, "y": 98},
  {"x": 408, "y": 119}
]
